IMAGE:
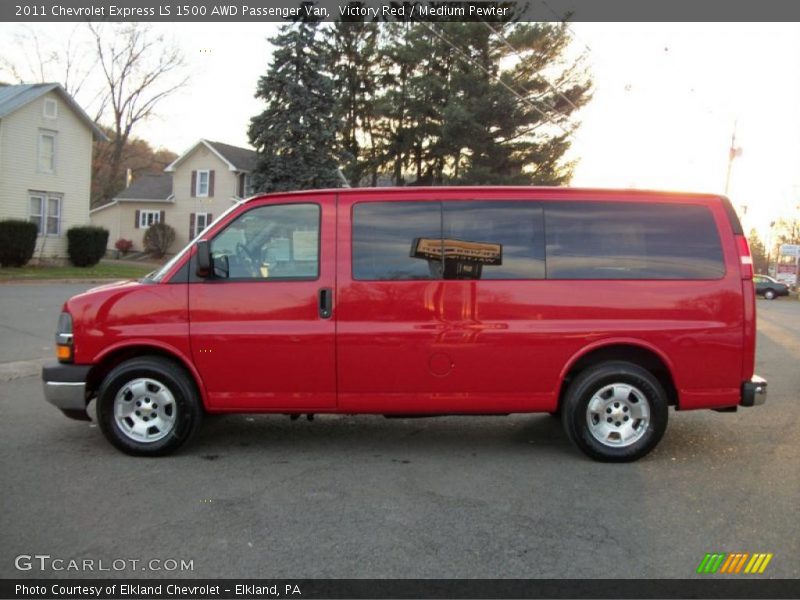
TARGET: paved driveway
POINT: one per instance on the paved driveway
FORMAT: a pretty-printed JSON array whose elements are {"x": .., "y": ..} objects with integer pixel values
[{"x": 369, "y": 497}]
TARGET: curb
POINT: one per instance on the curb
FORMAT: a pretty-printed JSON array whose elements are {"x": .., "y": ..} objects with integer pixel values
[
  {"x": 62, "y": 280},
  {"x": 23, "y": 368}
]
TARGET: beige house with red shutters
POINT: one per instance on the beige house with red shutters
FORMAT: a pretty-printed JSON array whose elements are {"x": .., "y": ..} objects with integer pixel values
[{"x": 197, "y": 187}]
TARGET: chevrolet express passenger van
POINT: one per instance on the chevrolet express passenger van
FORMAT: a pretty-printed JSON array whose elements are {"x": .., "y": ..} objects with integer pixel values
[{"x": 605, "y": 307}]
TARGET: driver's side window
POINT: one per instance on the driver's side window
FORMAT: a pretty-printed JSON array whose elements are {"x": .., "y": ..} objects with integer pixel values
[{"x": 275, "y": 242}]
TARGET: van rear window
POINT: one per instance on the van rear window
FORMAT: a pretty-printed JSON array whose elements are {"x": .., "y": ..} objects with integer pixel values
[
  {"x": 383, "y": 236},
  {"x": 493, "y": 240},
  {"x": 450, "y": 240},
  {"x": 627, "y": 240}
]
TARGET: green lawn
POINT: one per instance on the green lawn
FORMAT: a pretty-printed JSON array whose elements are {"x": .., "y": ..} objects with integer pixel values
[{"x": 99, "y": 271}]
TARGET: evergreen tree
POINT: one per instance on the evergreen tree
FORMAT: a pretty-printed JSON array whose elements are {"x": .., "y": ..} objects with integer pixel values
[
  {"x": 517, "y": 137},
  {"x": 444, "y": 110},
  {"x": 295, "y": 135},
  {"x": 352, "y": 50}
]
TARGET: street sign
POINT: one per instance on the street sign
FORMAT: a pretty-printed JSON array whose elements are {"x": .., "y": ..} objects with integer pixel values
[{"x": 790, "y": 250}]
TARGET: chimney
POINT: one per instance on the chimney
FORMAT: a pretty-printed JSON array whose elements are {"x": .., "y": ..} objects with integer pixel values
[{"x": 128, "y": 178}]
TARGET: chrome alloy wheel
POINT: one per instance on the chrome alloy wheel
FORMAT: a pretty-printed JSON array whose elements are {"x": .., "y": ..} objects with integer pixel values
[
  {"x": 145, "y": 410},
  {"x": 618, "y": 415}
]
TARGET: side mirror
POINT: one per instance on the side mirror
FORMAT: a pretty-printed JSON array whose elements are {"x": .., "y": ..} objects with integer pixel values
[
  {"x": 204, "y": 261},
  {"x": 221, "y": 266}
]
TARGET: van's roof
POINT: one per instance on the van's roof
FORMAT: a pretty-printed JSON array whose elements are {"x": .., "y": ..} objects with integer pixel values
[{"x": 489, "y": 191}]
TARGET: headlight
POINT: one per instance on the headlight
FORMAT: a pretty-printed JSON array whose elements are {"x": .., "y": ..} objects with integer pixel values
[{"x": 64, "y": 346}]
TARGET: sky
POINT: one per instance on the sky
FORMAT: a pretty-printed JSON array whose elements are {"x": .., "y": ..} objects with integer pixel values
[{"x": 667, "y": 97}]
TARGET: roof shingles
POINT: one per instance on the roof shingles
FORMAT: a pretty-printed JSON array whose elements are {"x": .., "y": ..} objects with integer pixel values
[
  {"x": 243, "y": 159},
  {"x": 148, "y": 186}
]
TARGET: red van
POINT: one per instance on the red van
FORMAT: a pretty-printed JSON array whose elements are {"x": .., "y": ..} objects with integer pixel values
[{"x": 605, "y": 307}]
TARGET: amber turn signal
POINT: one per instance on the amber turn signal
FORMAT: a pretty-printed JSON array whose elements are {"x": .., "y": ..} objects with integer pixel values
[{"x": 64, "y": 352}]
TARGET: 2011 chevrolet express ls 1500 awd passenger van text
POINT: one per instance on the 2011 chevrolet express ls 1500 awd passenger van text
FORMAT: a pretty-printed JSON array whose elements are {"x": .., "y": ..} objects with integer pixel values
[{"x": 605, "y": 307}]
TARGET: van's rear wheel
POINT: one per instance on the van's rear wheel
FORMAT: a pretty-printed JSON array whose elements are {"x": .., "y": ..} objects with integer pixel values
[
  {"x": 148, "y": 406},
  {"x": 615, "y": 412}
]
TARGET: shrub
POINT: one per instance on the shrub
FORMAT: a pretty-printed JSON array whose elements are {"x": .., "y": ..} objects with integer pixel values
[
  {"x": 124, "y": 246},
  {"x": 17, "y": 242},
  {"x": 158, "y": 238},
  {"x": 86, "y": 245}
]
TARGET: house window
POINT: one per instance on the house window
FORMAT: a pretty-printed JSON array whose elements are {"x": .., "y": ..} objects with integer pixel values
[
  {"x": 248, "y": 185},
  {"x": 245, "y": 186},
  {"x": 50, "y": 108},
  {"x": 149, "y": 217},
  {"x": 45, "y": 210},
  {"x": 36, "y": 210},
  {"x": 202, "y": 184},
  {"x": 201, "y": 221},
  {"x": 53, "y": 215},
  {"x": 47, "y": 151}
]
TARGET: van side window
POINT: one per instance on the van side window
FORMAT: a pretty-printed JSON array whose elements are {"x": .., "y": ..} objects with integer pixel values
[
  {"x": 493, "y": 240},
  {"x": 386, "y": 236},
  {"x": 275, "y": 242},
  {"x": 628, "y": 240}
]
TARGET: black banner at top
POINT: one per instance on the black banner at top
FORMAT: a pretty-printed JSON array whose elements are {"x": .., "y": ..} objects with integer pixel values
[{"x": 397, "y": 10}]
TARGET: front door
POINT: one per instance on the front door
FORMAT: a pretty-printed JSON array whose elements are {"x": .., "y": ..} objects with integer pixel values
[{"x": 262, "y": 336}]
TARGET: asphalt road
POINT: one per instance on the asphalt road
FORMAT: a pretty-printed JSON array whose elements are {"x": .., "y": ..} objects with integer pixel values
[
  {"x": 28, "y": 318},
  {"x": 368, "y": 497}
]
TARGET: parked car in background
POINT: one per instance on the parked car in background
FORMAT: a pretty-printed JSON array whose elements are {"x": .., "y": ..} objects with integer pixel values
[{"x": 770, "y": 288}]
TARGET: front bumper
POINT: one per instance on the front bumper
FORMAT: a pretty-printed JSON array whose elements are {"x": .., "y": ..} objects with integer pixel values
[
  {"x": 65, "y": 388},
  {"x": 754, "y": 392}
]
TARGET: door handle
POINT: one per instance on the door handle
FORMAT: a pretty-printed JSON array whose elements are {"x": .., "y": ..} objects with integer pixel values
[{"x": 325, "y": 303}]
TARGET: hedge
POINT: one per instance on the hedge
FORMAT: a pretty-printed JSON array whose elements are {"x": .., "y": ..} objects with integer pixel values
[
  {"x": 86, "y": 245},
  {"x": 158, "y": 238},
  {"x": 17, "y": 242}
]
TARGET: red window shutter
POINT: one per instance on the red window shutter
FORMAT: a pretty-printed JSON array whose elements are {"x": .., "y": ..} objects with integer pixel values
[
  {"x": 240, "y": 187},
  {"x": 163, "y": 217},
  {"x": 211, "y": 184},
  {"x": 194, "y": 184},
  {"x": 209, "y": 218},
  {"x": 191, "y": 226},
  {"x": 138, "y": 214}
]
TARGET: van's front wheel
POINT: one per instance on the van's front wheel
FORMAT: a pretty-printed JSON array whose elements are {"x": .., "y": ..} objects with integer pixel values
[
  {"x": 148, "y": 406},
  {"x": 615, "y": 412}
]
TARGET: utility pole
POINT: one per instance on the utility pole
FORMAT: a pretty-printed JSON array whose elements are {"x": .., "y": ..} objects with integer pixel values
[
  {"x": 769, "y": 245},
  {"x": 732, "y": 154}
]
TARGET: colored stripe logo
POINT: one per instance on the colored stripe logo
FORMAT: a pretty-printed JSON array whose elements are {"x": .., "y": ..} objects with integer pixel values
[{"x": 734, "y": 564}]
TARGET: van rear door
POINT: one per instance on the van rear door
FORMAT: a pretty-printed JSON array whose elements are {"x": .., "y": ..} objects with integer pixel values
[{"x": 430, "y": 319}]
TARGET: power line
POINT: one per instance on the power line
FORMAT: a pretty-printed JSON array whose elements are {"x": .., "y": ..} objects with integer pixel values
[
  {"x": 519, "y": 55},
  {"x": 563, "y": 21},
  {"x": 519, "y": 96}
]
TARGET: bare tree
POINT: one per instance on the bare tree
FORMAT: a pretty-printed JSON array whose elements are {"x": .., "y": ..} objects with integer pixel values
[
  {"x": 71, "y": 63},
  {"x": 118, "y": 73},
  {"x": 140, "y": 69}
]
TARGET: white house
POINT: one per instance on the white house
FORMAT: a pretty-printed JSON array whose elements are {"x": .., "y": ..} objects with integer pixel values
[{"x": 45, "y": 161}]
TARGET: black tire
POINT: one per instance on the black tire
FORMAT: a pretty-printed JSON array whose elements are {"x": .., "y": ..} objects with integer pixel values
[
  {"x": 179, "y": 389},
  {"x": 769, "y": 294},
  {"x": 642, "y": 387}
]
